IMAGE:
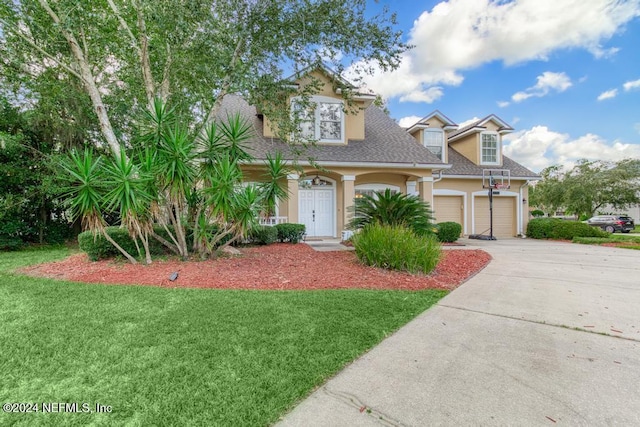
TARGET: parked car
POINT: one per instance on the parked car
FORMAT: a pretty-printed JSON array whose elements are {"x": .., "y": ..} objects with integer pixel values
[{"x": 612, "y": 223}]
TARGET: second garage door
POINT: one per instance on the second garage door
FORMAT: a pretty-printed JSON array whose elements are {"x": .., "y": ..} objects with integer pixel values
[{"x": 504, "y": 215}]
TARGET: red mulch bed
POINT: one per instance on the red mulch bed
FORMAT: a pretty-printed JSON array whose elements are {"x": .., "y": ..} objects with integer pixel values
[{"x": 279, "y": 266}]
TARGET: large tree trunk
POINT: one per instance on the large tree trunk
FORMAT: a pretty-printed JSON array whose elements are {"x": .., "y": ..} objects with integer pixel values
[{"x": 88, "y": 80}]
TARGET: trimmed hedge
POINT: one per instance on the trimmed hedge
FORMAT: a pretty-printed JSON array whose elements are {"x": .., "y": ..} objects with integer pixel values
[
  {"x": 263, "y": 235},
  {"x": 554, "y": 228},
  {"x": 448, "y": 231},
  {"x": 292, "y": 233}
]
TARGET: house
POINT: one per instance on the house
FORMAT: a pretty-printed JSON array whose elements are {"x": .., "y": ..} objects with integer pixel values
[
  {"x": 473, "y": 151},
  {"x": 360, "y": 150}
]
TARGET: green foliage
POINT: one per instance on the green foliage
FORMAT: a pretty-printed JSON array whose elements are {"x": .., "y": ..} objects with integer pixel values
[
  {"x": 182, "y": 51},
  {"x": 30, "y": 211},
  {"x": 291, "y": 233},
  {"x": 448, "y": 231},
  {"x": 263, "y": 235},
  {"x": 588, "y": 187},
  {"x": 537, "y": 213},
  {"x": 396, "y": 209},
  {"x": 554, "y": 228},
  {"x": 97, "y": 247},
  {"x": 8, "y": 243},
  {"x": 396, "y": 248}
]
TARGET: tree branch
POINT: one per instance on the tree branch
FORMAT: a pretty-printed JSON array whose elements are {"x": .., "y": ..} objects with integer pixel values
[{"x": 33, "y": 44}]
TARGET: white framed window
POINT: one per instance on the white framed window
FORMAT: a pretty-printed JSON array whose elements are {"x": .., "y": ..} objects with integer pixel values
[
  {"x": 323, "y": 121},
  {"x": 371, "y": 189},
  {"x": 433, "y": 140},
  {"x": 489, "y": 148}
]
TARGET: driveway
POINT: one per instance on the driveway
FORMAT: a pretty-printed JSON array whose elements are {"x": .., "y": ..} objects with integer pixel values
[{"x": 548, "y": 333}]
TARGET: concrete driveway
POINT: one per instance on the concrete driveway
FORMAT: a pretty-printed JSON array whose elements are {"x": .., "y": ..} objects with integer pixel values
[{"x": 548, "y": 333}]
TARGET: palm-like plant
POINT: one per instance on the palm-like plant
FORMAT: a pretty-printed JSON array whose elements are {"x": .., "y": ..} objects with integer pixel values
[
  {"x": 272, "y": 188},
  {"x": 128, "y": 192},
  {"x": 85, "y": 189},
  {"x": 396, "y": 209}
]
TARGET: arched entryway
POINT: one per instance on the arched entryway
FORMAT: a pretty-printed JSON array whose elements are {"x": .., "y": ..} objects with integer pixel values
[{"x": 317, "y": 206}]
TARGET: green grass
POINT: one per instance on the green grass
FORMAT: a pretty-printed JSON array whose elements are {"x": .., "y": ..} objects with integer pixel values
[
  {"x": 631, "y": 241},
  {"x": 179, "y": 356}
]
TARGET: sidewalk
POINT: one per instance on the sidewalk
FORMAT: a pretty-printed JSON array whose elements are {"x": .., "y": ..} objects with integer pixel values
[{"x": 547, "y": 333}]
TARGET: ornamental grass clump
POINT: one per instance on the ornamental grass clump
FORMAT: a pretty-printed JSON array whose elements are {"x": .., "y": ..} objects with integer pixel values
[{"x": 396, "y": 248}]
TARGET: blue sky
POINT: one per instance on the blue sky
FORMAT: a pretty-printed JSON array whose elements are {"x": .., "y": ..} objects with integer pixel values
[{"x": 564, "y": 73}]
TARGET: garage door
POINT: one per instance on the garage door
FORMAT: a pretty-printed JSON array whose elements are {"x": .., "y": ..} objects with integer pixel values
[
  {"x": 504, "y": 216},
  {"x": 448, "y": 208}
]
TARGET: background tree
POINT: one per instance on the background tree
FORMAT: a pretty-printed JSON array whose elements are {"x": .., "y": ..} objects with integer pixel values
[
  {"x": 30, "y": 210},
  {"x": 588, "y": 187},
  {"x": 124, "y": 54}
]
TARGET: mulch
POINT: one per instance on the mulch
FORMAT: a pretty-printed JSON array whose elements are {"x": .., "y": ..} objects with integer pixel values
[{"x": 277, "y": 267}]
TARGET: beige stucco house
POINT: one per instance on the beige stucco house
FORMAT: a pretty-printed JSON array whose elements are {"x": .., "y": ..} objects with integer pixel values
[{"x": 361, "y": 150}]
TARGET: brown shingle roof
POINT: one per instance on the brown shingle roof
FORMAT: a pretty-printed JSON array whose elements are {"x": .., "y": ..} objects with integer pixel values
[
  {"x": 385, "y": 141},
  {"x": 464, "y": 166}
]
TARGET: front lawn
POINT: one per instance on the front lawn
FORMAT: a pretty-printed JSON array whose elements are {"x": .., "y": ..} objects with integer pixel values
[
  {"x": 162, "y": 356},
  {"x": 627, "y": 241}
]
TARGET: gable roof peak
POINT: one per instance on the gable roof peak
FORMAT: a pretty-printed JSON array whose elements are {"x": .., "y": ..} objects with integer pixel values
[
  {"x": 423, "y": 122},
  {"x": 480, "y": 125}
]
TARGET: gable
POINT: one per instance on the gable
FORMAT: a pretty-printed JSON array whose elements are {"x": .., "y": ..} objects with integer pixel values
[{"x": 328, "y": 89}]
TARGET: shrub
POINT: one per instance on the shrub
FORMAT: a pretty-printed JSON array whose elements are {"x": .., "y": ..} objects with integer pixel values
[
  {"x": 292, "y": 233},
  {"x": 396, "y": 248},
  {"x": 554, "y": 228},
  {"x": 388, "y": 208},
  {"x": 8, "y": 243},
  {"x": 263, "y": 235},
  {"x": 537, "y": 213},
  {"x": 567, "y": 230},
  {"x": 99, "y": 248},
  {"x": 540, "y": 228},
  {"x": 449, "y": 231}
]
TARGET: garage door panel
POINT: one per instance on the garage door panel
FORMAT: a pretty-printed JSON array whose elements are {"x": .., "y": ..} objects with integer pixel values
[
  {"x": 503, "y": 216},
  {"x": 448, "y": 208}
]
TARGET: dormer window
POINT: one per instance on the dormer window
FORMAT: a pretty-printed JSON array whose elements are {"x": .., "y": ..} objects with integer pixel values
[
  {"x": 433, "y": 139},
  {"x": 489, "y": 148},
  {"x": 323, "y": 121}
]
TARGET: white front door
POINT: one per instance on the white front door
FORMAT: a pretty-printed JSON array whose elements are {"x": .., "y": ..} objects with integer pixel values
[{"x": 316, "y": 211}]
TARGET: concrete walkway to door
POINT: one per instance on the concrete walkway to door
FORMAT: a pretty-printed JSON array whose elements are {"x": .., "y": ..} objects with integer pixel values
[{"x": 548, "y": 333}]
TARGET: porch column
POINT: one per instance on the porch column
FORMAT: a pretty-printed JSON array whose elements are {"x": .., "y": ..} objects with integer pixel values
[
  {"x": 348, "y": 194},
  {"x": 292, "y": 201},
  {"x": 425, "y": 188}
]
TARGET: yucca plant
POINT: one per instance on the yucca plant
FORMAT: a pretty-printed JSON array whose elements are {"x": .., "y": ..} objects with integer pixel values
[
  {"x": 272, "y": 189},
  {"x": 85, "y": 188},
  {"x": 127, "y": 192},
  {"x": 396, "y": 209}
]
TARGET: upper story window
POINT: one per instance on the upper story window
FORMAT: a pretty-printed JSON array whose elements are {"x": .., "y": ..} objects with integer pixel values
[
  {"x": 434, "y": 141},
  {"x": 323, "y": 121},
  {"x": 489, "y": 148}
]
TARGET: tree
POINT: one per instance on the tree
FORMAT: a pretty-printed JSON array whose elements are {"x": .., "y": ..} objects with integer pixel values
[
  {"x": 393, "y": 209},
  {"x": 30, "y": 211},
  {"x": 125, "y": 54},
  {"x": 589, "y": 186},
  {"x": 189, "y": 183}
]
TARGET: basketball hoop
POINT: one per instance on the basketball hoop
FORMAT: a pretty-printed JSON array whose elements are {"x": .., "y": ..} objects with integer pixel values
[{"x": 501, "y": 186}]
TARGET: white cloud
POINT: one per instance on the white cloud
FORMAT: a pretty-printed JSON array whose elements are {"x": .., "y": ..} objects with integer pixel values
[
  {"x": 428, "y": 95},
  {"x": 635, "y": 84},
  {"x": 547, "y": 82},
  {"x": 608, "y": 94},
  {"x": 468, "y": 122},
  {"x": 540, "y": 147},
  {"x": 503, "y": 104},
  {"x": 457, "y": 35},
  {"x": 405, "y": 122}
]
